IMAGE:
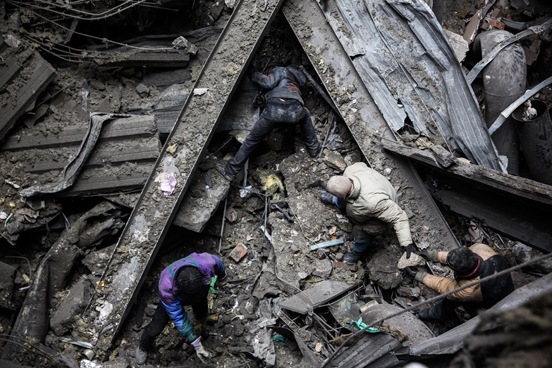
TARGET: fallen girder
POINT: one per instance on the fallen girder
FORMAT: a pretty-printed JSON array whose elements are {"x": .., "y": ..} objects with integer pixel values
[{"x": 174, "y": 169}]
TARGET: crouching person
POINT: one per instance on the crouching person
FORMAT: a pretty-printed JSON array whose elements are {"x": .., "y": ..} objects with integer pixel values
[
  {"x": 469, "y": 264},
  {"x": 185, "y": 282}
]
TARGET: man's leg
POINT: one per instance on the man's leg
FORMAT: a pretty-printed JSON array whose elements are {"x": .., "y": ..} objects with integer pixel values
[
  {"x": 156, "y": 326},
  {"x": 311, "y": 141},
  {"x": 258, "y": 133},
  {"x": 201, "y": 309},
  {"x": 362, "y": 243}
]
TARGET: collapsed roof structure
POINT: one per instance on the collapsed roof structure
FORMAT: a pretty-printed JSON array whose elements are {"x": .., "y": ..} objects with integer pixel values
[{"x": 391, "y": 77}]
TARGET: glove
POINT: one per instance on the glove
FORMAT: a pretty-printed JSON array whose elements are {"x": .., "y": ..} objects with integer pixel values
[
  {"x": 420, "y": 276},
  {"x": 251, "y": 70},
  {"x": 430, "y": 255},
  {"x": 410, "y": 248},
  {"x": 201, "y": 353}
]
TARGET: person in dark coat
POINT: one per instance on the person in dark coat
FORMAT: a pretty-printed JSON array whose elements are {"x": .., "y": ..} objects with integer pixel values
[
  {"x": 284, "y": 107},
  {"x": 469, "y": 264}
]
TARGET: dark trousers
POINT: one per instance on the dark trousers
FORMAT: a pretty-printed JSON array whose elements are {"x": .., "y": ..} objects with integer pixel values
[
  {"x": 444, "y": 309},
  {"x": 276, "y": 113},
  {"x": 363, "y": 240},
  {"x": 161, "y": 318}
]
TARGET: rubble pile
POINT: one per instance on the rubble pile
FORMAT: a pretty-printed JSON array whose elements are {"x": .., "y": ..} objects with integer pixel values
[{"x": 102, "y": 104}]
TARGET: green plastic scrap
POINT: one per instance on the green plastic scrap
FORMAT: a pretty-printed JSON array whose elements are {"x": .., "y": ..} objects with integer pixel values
[
  {"x": 279, "y": 338},
  {"x": 360, "y": 325},
  {"x": 212, "y": 286}
]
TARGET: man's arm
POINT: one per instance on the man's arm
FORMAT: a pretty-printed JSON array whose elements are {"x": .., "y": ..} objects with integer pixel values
[
  {"x": 443, "y": 285},
  {"x": 180, "y": 319},
  {"x": 220, "y": 269},
  {"x": 390, "y": 212},
  {"x": 271, "y": 80}
]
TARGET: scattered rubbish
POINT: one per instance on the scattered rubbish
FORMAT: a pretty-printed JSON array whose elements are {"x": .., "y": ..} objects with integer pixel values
[
  {"x": 231, "y": 214},
  {"x": 238, "y": 253},
  {"x": 319, "y": 294},
  {"x": 279, "y": 338},
  {"x": 326, "y": 244},
  {"x": 200, "y": 91},
  {"x": 360, "y": 325},
  {"x": 167, "y": 182},
  {"x": 288, "y": 217},
  {"x": 245, "y": 192},
  {"x": 82, "y": 344}
]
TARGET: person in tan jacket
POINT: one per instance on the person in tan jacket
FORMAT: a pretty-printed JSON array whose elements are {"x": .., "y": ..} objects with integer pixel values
[
  {"x": 469, "y": 264},
  {"x": 371, "y": 201}
]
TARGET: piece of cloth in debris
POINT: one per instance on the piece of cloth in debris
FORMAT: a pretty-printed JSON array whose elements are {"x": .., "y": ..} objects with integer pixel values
[{"x": 70, "y": 172}]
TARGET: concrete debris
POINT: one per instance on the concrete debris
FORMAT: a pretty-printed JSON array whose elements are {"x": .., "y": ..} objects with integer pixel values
[
  {"x": 114, "y": 140},
  {"x": 238, "y": 253}
]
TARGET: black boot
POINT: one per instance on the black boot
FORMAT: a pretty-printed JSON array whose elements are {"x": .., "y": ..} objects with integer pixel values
[
  {"x": 326, "y": 197},
  {"x": 352, "y": 257},
  {"x": 424, "y": 315}
]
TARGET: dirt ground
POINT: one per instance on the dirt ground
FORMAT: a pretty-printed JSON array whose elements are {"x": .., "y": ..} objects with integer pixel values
[{"x": 273, "y": 270}]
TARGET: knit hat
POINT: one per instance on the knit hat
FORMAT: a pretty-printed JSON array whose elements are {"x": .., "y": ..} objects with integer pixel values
[
  {"x": 189, "y": 279},
  {"x": 462, "y": 260},
  {"x": 339, "y": 186}
]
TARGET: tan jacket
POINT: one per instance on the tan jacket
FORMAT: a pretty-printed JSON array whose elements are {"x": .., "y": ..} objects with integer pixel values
[
  {"x": 373, "y": 203},
  {"x": 444, "y": 284}
]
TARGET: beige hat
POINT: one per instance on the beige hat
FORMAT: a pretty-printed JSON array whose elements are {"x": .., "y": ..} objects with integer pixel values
[{"x": 339, "y": 186}]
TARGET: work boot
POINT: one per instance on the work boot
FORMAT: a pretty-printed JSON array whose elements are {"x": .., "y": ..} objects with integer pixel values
[
  {"x": 314, "y": 153},
  {"x": 326, "y": 197},
  {"x": 352, "y": 257},
  {"x": 424, "y": 315},
  {"x": 225, "y": 175},
  {"x": 141, "y": 356}
]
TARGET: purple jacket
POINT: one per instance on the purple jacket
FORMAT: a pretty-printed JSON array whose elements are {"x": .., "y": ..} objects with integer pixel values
[{"x": 171, "y": 297}]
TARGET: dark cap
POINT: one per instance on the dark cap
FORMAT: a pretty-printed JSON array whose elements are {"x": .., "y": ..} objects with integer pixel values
[
  {"x": 189, "y": 279},
  {"x": 462, "y": 260}
]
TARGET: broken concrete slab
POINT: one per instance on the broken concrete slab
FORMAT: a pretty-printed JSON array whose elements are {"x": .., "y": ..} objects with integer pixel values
[
  {"x": 458, "y": 44},
  {"x": 73, "y": 304},
  {"x": 321, "y": 293},
  {"x": 408, "y": 323},
  {"x": 335, "y": 160},
  {"x": 382, "y": 268},
  {"x": 414, "y": 261},
  {"x": 201, "y": 201}
]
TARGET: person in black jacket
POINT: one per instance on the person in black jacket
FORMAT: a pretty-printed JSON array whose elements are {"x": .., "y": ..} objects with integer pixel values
[{"x": 284, "y": 107}]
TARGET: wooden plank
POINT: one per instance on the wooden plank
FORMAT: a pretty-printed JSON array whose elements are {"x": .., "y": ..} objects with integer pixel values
[
  {"x": 40, "y": 74},
  {"x": 528, "y": 225},
  {"x": 107, "y": 154},
  {"x": 132, "y": 127},
  {"x": 523, "y": 188},
  {"x": 165, "y": 58},
  {"x": 99, "y": 180}
]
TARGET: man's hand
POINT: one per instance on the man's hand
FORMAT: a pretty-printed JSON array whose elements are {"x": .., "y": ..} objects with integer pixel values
[
  {"x": 430, "y": 255},
  {"x": 410, "y": 248},
  {"x": 201, "y": 353}
]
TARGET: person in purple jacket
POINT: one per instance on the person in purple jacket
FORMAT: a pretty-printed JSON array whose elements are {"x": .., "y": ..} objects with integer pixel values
[{"x": 185, "y": 282}]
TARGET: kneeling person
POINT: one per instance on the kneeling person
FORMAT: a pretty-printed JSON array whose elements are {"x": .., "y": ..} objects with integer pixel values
[
  {"x": 185, "y": 282},
  {"x": 371, "y": 201}
]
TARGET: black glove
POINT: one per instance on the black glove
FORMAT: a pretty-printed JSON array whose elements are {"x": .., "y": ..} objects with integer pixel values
[
  {"x": 410, "y": 248},
  {"x": 410, "y": 272},
  {"x": 251, "y": 70}
]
